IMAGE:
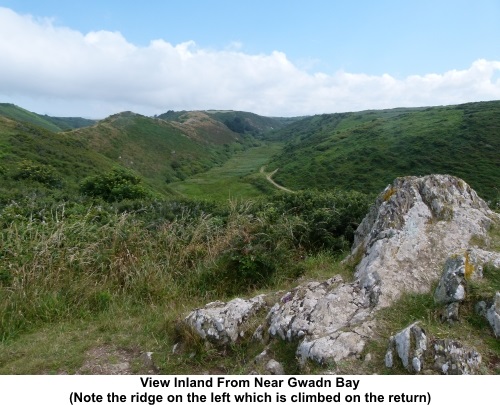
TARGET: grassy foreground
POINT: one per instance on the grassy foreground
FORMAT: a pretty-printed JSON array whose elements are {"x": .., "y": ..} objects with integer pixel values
[
  {"x": 119, "y": 285},
  {"x": 81, "y": 275}
]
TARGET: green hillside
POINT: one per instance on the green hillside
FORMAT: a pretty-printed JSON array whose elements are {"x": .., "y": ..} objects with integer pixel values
[
  {"x": 55, "y": 124},
  {"x": 68, "y": 123},
  {"x": 366, "y": 150},
  {"x": 239, "y": 177},
  {"x": 20, "y": 114},
  {"x": 240, "y": 122},
  {"x": 158, "y": 150},
  {"x": 35, "y": 160}
]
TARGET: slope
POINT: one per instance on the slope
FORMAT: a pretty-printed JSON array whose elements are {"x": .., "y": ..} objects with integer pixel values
[
  {"x": 34, "y": 160},
  {"x": 158, "y": 150},
  {"x": 55, "y": 124},
  {"x": 237, "y": 178},
  {"x": 367, "y": 150}
]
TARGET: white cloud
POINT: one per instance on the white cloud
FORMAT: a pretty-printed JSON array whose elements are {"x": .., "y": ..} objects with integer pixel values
[{"x": 64, "y": 72}]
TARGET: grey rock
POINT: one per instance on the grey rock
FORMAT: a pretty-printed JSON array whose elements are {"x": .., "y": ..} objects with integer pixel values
[
  {"x": 479, "y": 257},
  {"x": 258, "y": 334},
  {"x": 414, "y": 226},
  {"x": 271, "y": 365},
  {"x": 315, "y": 313},
  {"x": 274, "y": 368},
  {"x": 261, "y": 357},
  {"x": 400, "y": 246},
  {"x": 451, "y": 286},
  {"x": 493, "y": 315},
  {"x": 389, "y": 359},
  {"x": 450, "y": 313},
  {"x": 147, "y": 359},
  {"x": 409, "y": 345},
  {"x": 458, "y": 270},
  {"x": 451, "y": 357},
  {"x": 481, "y": 308},
  {"x": 333, "y": 347},
  {"x": 223, "y": 323},
  {"x": 315, "y": 309}
]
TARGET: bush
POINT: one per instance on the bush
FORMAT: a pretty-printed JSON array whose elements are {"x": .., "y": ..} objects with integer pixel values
[
  {"x": 116, "y": 185},
  {"x": 40, "y": 173},
  {"x": 328, "y": 218}
]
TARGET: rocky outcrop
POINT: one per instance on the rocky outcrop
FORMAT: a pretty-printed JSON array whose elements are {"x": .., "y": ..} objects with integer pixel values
[
  {"x": 325, "y": 317},
  {"x": 267, "y": 365},
  {"x": 401, "y": 246},
  {"x": 451, "y": 357},
  {"x": 416, "y": 224},
  {"x": 458, "y": 271}
]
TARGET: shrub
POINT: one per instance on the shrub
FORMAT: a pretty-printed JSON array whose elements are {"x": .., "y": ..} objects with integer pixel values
[
  {"x": 116, "y": 185},
  {"x": 40, "y": 173},
  {"x": 328, "y": 218}
]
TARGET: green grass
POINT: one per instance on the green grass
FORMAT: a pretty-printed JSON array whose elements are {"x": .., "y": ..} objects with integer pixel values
[
  {"x": 158, "y": 151},
  {"x": 79, "y": 275},
  {"x": 235, "y": 179},
  {"x": 163, "y": 152}
]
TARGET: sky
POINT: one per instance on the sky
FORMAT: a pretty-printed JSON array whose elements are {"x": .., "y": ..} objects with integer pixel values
[{"x": 275, "y": 57}]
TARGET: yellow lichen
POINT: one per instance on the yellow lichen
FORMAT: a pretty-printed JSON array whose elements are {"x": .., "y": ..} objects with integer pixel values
[
  {"x": 389, "y": 193},
  {"x": 469, "y": 267}
]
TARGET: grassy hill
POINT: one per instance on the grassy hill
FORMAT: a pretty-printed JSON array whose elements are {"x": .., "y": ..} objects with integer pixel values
[
  {"x": 237, "y": 178},
  {"x": 366, "y": 150},
  {"x": 37, "y": 156},
  {"x": 55, "y": 124},
  {"x": 34, "y": 160},
  {"x": 161, "y": 151},
  {"x": 237, "y": 121}
]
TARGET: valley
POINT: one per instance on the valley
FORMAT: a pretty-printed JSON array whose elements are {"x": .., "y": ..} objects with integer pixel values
[
  {"x": 113, "y": 230},
  {"x": 238, "y": 178}
]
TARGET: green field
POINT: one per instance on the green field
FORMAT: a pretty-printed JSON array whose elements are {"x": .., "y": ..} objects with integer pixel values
[{"x": 238, "y": 178}]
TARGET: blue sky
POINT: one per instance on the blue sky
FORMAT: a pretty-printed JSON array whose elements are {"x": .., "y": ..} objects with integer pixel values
[{"x": 271, "y": 57}]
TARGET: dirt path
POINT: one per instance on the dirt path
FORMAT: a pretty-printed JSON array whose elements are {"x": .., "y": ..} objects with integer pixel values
[{"x": 269, "y": 178}]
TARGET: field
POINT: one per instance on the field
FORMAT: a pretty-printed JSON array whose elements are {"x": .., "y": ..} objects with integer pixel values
[{"x": 238, "y": 178}]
